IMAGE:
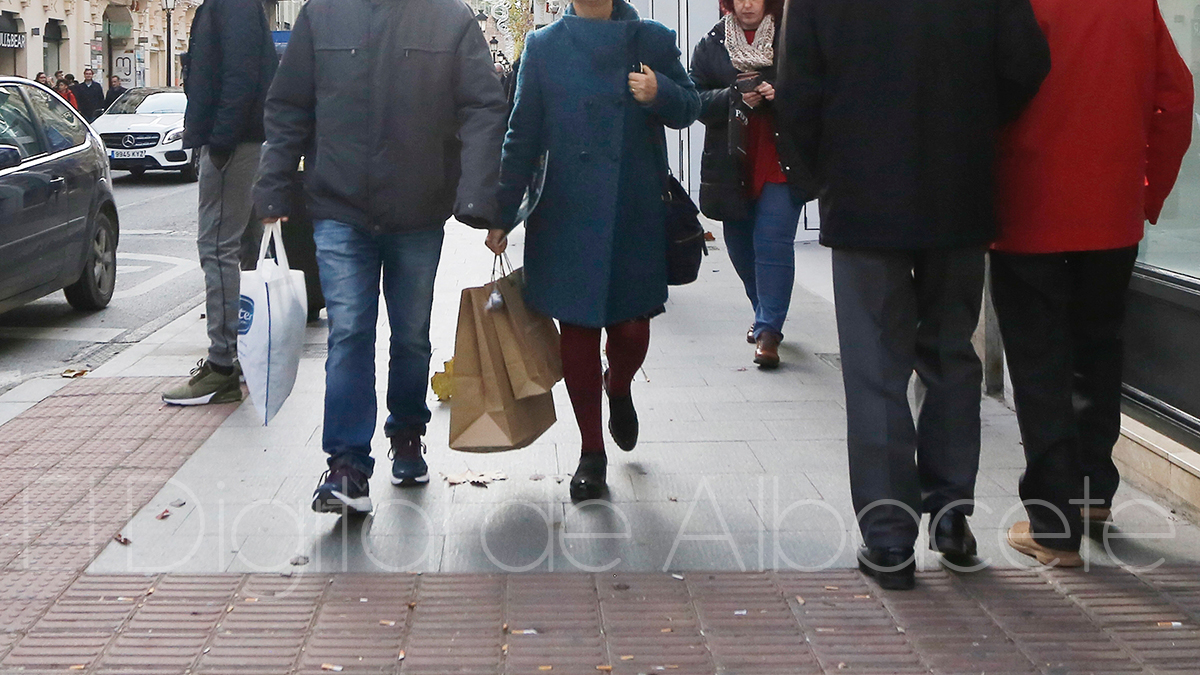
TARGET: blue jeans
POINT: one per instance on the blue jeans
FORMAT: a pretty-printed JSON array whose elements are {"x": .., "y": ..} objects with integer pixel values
[
  {"x": 763, "y": 251},
  {"x": 350, "y": 261}
]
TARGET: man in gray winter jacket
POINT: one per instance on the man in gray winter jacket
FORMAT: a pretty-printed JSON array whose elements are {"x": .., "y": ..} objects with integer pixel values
[{"x": 396, "y": 109}]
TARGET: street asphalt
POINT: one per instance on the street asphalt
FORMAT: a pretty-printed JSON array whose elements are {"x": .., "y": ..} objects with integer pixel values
[{"x": 158, "y": 279}]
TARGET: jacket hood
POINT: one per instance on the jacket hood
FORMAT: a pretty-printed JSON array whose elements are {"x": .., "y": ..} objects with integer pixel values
[{"x": 622, "y": 11}]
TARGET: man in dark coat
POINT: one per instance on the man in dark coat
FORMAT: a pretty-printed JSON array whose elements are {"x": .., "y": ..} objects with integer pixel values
[
  {"x": 114, "y": 91},
  {"x": 894, "y": 108},
  {"x": 397, "y": 110},
  {"x": 90, "y": 95},
  {"x": 230, "y": 63}
]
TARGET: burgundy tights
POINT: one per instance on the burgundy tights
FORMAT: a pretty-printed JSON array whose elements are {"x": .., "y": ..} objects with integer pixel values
[{"x": 627, "y": 345}]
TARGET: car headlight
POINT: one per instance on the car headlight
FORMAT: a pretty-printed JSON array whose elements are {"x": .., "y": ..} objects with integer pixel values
[{"x": 173, "y": 135}]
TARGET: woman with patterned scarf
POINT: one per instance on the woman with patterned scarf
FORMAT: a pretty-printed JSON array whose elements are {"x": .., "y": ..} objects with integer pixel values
[{"x": 742, "y": 180}]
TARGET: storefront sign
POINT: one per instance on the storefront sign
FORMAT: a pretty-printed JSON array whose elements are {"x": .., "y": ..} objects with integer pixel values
[{"x": 12, "y": 40}]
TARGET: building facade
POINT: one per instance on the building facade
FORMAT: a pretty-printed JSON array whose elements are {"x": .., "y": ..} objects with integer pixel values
[{"x": 127, "y": 38}]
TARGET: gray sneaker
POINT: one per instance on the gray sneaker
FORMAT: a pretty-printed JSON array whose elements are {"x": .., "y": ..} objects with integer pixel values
[{"x": 206, "y": 386}]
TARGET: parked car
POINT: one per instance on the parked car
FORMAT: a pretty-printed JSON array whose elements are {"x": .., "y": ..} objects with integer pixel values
[
  {"x": 58, "y": 220},
  {"x": 143, "y": 130}
]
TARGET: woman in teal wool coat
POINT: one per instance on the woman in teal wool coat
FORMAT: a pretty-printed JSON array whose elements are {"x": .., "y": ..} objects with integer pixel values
[{"x": 594, "y": 91}]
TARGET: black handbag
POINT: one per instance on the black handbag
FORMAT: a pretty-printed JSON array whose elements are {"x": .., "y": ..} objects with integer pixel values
[{"x": 686, "y": 246}]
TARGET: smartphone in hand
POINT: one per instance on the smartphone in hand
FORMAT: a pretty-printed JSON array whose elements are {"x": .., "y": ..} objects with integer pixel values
[{"x": 748, "y": 82}]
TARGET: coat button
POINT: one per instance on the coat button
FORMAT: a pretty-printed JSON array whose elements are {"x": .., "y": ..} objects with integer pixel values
[{"x": 470, "y": 206}]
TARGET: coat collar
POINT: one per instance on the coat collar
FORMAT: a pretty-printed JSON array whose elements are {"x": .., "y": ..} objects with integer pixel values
[{"x": 622, "y": 11}]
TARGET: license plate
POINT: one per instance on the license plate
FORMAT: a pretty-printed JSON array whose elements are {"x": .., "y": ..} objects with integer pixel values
[{"x": 128, "y": 154}]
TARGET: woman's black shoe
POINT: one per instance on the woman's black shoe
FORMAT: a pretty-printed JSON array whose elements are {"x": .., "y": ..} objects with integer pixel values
[
  {"x": 622, "y": 419},
  {"x": 589, "y": 481},
  {"x": 894, "y": 569}
]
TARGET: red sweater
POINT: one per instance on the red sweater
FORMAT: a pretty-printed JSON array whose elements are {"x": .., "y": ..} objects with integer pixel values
[
  {"x": 1098, "y": 151},
  {"x": 762, "y": 157}
]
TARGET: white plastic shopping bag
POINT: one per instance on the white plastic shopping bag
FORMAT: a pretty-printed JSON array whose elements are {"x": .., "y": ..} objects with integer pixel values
[{"x": 271, "y": 318}]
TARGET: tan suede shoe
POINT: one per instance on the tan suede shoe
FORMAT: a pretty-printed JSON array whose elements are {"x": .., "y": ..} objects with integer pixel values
[{"x": 1021, "y": 538}]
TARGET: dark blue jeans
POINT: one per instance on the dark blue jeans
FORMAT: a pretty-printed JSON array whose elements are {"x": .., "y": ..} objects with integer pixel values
[
  {"x": 351, "y": 261},
  {"x": 763, "y": 251}
]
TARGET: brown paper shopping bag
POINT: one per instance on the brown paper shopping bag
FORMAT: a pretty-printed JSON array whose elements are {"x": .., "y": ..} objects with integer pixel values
[
  {"x": 528, "y": 340},
  {"x": 485, "y": 416}
]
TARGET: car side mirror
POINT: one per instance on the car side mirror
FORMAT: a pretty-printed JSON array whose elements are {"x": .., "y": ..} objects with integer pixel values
[{"x": 10, "y": 156}]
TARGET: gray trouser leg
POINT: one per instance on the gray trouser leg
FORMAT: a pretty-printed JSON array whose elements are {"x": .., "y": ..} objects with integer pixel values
[
  {"x": 949, "y": 299},
  {"x": 898, "y": 311},
  {"x": 224, "y": 211}
]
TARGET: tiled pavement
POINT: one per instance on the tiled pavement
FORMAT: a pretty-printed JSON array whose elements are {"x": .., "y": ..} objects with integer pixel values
[{"x": 739, "y": 470}]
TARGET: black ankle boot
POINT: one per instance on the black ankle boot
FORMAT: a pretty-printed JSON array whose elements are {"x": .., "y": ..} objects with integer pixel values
[
  {"x": 893, "y": 568},
  {"x": 589, "y": 481},
  {"x": 622, "y": 419}
]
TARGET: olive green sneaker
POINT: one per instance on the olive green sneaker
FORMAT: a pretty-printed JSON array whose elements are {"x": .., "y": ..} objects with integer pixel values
[{"x": 206, "y": 386}]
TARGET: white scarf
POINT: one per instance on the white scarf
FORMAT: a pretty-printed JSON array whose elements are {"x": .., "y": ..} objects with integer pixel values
[{"x": 748, "y": 57}]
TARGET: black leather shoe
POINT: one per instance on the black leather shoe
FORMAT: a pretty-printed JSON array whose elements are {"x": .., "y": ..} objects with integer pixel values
[
  {"x": 589, "y": 481},
  {"x": 895, "y": 569},
  {"x": 622, "y": 419},
  {"x": 951, "y": 536}
]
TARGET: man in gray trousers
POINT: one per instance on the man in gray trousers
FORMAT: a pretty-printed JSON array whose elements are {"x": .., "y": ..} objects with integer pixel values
[
  {"x": 893, "y": 109},
  {"x": 230, "y": 64}
]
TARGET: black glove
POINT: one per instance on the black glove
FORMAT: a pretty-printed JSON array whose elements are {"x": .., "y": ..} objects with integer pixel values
[{"x": 219, "y": 156}]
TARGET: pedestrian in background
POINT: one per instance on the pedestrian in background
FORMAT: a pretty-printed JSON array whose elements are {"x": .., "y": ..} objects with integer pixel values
[
  {"x": 398, "y": 140},
  {"x": 114, "y": 91},
  {"x": 742, "y": 181},
  {"x": 42, "y": 80},
  {"x": 90, "y": 95},
  {"x": 64, "y": 90},
  {"x": 595, "y": 247},
  {"x": 58, "y": 77},
  {"x": 1092, "y": 158},
  {"x": 894, "y": 108},
  {"x": 231, "y": 61}
]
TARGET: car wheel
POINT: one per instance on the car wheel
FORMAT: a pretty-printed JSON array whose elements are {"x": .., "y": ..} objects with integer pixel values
[
  {"x": 191, "y": 172},
  {"x": 95, "y": 286},
  {"x": 137, "y": 173}
]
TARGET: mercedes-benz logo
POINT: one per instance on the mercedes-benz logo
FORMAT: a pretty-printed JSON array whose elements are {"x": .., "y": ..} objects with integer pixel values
[{"x": 129, "y": 141}]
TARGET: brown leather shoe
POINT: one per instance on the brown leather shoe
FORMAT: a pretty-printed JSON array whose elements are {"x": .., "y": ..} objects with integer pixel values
[
  {"x": 1020, "y": 537},
  {"x": 766, "y": 352}
]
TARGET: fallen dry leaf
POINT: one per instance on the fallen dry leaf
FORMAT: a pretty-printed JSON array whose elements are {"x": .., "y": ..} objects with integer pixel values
[
  {"x": 443, "y": 382},
  {"x": 299, "y": 560},
  {"x": 477, "y": 479},
  {"x": 122, "y": 539},
  {"x": 166, "y": 513}
]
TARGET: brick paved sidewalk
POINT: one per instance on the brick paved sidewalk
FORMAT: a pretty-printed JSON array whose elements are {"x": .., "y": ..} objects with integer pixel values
[{"x": 1003, "y": 621}]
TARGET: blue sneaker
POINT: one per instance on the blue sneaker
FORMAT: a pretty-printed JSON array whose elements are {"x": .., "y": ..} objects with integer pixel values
[
  {"x": 408, "y": 466},
  {"x": 343, "y": 489}
]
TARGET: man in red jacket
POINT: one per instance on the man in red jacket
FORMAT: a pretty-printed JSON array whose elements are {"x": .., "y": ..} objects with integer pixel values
[{"x": 1090, "y": 160}]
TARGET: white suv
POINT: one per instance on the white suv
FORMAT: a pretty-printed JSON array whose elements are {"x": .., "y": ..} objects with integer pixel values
[{"x": 143, "y": 130}]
